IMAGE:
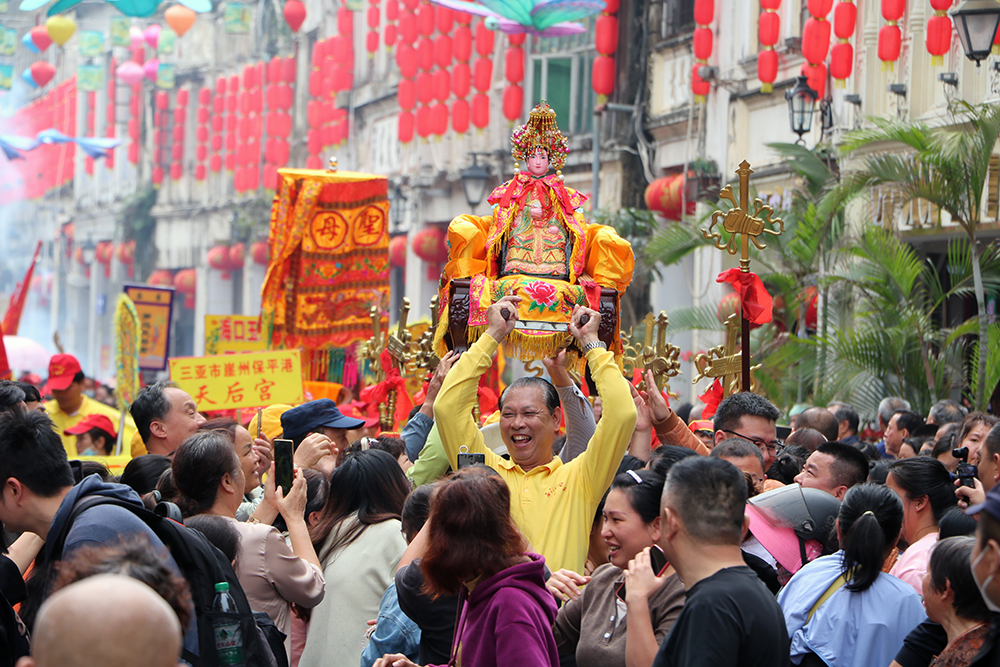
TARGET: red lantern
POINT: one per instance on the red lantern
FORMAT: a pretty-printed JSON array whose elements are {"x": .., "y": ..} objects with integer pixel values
[
  {"x": 938, "y": 38},
  {"x": 371, "y": 43},
  {"x": 295, "y": 14},
  {"x": 889, "y": 42},
  {"x": 425, "y": 19},
  {"x": 157, "y": 176},
  {"x": 483, "y": 76},
  {"x": 406, "y": 94},
  {"x": 704, "y": 11},
  {"x": 200, "y": 172},
  {"x": 663, "y": 196},
  {"x": 703, "y": 43},
  {"x": 816, "y": 78},
  {"x": 841, "y": 61},
  {"x": 218, "y": 259},
  {"x": 425, "y": 54},
  {"x": 406, "y": 58},
  {"x": 215, "y": 163},
  {"x": 606, "y": 35},
  {"x": 125, "y": 252},
  {"x": 374, "y": 17},
  {"x": 429, "y": 244},
  {"x": 603, "y": 75},
  {"x": 439, "y": 119},
  {"x": 815, "y": 40},
  {"x": 397, "y": 251},
  {"x": 445, "y": 19},
  {"x": 425, "y": 87},
  {"x": 844, "y": 18},
  {"x": 186, "y": 283},
  {"x": 460, "y": 116},
  {"x": 408, "y": 28},
  {"x": 405, "y": 128},
  {"x": 461, "y": 80},
  {"x": 480, "y": 110},
  {"x": 514, "y": 64},
  {"x": 442, "y": 85},
  {"x": 390, "y": 35},
  {"x": 442, "y": 51},
  {"x": 484, "y": 40},
  {"x": 237, "y": 256},
  {"x": 424, "y": 122},
  {"x": 161, "y": 278},
  {"x": 260, "y": 252},
  {"x": 513, "y": 102},
  {"x": 767, "y": 69},
  {"x": 104, "y": 254},
  {"x": 699, "y": 86},
  {"x": 767, "y": 29},
  {"x": 461, "y": 44}
]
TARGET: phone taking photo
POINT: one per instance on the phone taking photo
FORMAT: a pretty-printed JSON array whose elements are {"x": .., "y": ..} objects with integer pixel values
[
  {"x": 659, "y": 563},
  {"x": 284, "y": 467}
]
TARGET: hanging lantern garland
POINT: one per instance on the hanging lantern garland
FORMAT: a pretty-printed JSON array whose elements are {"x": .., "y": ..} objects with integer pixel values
[
  {"x": 816, "y": 45},
  {"x": 890, "y": 36},
  {"x": 111, "y": 115},
  {"x": 391, "y": 32},
  {"x": 443, "y": 47},
  {"x": 513, "y": 94},
  {"x": 482, "y": 76},
  {"x": 704, "y": 14},
  {"x": 202, "y": 133},
  {"x": 845, "y": 17},
  {"x": 179, "y": 134},
  {"x": 134, "y": 101},
  {"x": 406, "y": 60},
  {"x": 374, "y": 22},
  {"x": 602, "y": 75},
  {"x": 767, "y": 33},
  {"x": 939, "y": 32},
  {"x": 160, "y": 136},
  {"x": 461, "y": 75},
  {"x": 91, "y": 100}
]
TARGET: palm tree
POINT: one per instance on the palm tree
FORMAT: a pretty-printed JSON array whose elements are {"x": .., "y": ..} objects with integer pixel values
[{"x": 945, "y": 166}]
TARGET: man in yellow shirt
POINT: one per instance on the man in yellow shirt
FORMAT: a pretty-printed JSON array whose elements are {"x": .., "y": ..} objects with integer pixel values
[
  {"x": 553, "y": 504},
  {"x": 71, "y": 406}
]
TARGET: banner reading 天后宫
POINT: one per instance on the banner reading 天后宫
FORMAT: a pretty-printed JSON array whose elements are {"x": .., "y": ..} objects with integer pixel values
[{"x": 227, "y": 382}]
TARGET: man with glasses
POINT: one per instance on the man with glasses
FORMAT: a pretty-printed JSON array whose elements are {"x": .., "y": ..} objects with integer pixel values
[
  {"x": 552, "y": 502},
  {"x": 751, "y": 417}
]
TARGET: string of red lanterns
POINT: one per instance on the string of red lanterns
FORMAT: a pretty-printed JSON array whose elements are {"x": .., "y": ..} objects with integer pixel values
[
  {"x": 704, "y": 14},
  {"x": 160, "y": 137},
  {"x": 939, "y": 32},
  {"x": 816, "y": 45},
  {"x": 135, "y": 109},
  {"x": 406, "y": 60},
  {"x": 461, "y": 75},
  {"x": 91, "y": 99},
  {"x": 767, "y": 33},
  {"x": 202, "y": 133},
  {"x": 890, "y": 37},
  {"x": 602, "y": 73},
  {"x": 111, "y": 114},
  {"x": 513, "y": 94},
  {"x": 374, "y": 21},
  {"x": 390, "y": 33},
  {"x": 179, "y": 132},
  {"x": 482, "y": 76},
  {"x": 845, "y": 18},
  {"x": 444, "y": 20},
  {"x": 232, "y": 121}
]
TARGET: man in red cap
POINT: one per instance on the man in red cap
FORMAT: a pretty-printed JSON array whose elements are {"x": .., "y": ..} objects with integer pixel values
[
  {"x": 95, "y": 436},
  {"x": 71, "y": 406}
]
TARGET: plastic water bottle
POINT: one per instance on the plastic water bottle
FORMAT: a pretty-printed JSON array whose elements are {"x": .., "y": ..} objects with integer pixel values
[{"x": 228, "y": 635}]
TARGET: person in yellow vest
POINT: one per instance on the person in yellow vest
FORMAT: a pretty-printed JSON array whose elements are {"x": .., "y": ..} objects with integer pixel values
[{"x": 70, "y": 405}]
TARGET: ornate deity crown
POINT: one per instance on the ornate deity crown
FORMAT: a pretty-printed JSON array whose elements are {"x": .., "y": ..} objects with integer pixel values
[{"x": 540, "y": 132}]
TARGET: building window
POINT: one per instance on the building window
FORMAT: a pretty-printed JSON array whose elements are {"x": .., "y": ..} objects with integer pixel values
[
  {"x": 560, "y": 74},
  {"x": 678, "y": 17}
]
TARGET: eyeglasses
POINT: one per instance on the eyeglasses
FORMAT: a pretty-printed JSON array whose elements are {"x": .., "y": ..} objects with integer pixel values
[{"x": 772, "y": 447}]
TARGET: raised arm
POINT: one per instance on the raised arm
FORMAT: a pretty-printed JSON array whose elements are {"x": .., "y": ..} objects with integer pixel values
[
  {"x": 670, "y": 429},
  {"x": 579, "y": 416},
  {"x": 460, "y": 391},
  {"x": 611, "y": 438}
]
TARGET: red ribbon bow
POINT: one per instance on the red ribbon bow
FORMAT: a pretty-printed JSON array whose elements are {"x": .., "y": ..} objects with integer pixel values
[
  {"x": 755, "y": 301},
  {"x": 379, "y": 393}
]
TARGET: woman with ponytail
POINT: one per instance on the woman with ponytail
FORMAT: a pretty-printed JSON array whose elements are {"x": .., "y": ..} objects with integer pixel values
[
  {"x": 210, "y": 479},
  {"x": 841, "y": 609}
]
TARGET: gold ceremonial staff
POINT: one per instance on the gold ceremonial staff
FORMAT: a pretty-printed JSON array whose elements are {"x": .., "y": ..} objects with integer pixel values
[{"x": 738, "y": 222}]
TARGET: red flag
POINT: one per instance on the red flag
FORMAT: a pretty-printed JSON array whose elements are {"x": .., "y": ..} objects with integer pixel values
[
  {"x": 5, "y": 373},
  {"x": 12, "y": 319},
  {"x": 711, "y": 399},
  {"x": 755, "y": 300}
]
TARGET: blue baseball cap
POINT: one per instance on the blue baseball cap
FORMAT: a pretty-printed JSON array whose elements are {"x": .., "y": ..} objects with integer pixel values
[
  {"x": 991, "y": 504},
  {"x": 315, "y": 414}
]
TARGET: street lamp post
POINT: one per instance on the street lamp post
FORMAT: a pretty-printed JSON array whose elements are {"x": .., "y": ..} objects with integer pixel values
[
  {"x": 976, "y": 23},
  {"x": 801, "y": 106},
  {"x": 474, "y": 181}
]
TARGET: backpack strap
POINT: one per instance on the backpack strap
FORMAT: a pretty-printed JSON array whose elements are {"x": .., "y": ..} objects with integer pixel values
[{"x": 54, "y": 547}]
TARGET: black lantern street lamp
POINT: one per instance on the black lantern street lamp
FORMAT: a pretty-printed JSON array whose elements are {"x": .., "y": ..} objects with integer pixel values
[
  {"x": 397, "y": 209},
  {"x": 976, "y": 22},
  {"x": 88, "y": 251},
  {"x": 474, "y": 182},
  {"x": 801, "y": 106}
]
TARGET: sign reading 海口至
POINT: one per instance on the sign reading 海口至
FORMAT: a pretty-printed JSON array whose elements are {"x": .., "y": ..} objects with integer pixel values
[{"x": 230, "y": 334}]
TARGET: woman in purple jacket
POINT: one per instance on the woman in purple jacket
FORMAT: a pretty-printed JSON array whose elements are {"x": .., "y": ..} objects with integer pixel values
[{"x": 475, "y": 550}]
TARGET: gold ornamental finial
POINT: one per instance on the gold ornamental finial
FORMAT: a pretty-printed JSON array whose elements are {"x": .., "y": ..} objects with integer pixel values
[{"x": 725, "y": 361}]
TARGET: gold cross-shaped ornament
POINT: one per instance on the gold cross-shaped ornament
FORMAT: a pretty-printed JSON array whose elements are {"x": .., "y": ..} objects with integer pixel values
[
  {"x": 725, "y": 361},
  {"x": 654, "y": 354}
]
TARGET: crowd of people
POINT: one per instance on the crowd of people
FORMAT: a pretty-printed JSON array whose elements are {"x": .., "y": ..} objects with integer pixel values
[{"x": 615, "y": 531}]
